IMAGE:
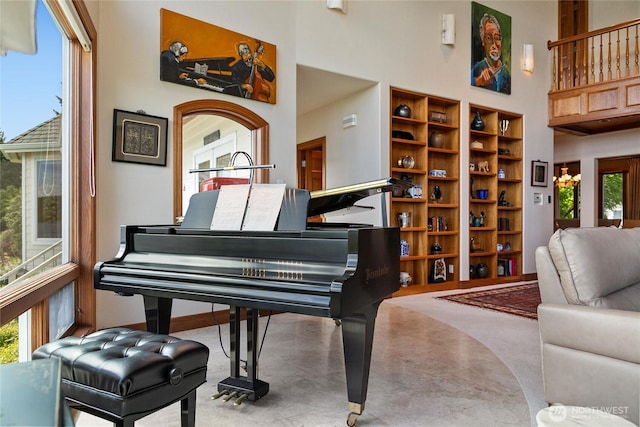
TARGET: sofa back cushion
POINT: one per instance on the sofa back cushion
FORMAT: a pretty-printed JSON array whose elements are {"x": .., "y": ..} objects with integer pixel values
[{"x": 599, "y": 266}]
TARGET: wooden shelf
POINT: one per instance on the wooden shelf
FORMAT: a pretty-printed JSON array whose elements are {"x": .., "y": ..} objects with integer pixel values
[
  {"x": 407, "y": 200},
  {"x": 504, "y": 153},
  {"x": 428, "y": 115}
]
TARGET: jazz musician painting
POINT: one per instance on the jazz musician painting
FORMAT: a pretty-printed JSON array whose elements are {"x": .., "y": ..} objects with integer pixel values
[
  {"x": 252, "y": 74},
  {"x": 170, "y": 65},
  {"x": 201, "y": 55}
]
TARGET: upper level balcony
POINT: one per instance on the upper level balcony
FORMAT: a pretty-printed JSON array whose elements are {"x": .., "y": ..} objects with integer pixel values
[{"x": 596, "y": 81}]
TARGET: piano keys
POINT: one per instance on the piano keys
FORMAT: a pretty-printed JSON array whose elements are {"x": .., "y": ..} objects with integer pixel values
[
  {"x": 343, "y": 273},
  {"x": 215, "y": 72}
]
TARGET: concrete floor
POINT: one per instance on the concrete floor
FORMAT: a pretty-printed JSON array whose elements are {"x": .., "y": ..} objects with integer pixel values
[{"x": 423, "y": 373}]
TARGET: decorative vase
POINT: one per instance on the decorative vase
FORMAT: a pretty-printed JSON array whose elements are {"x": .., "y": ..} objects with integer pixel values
[
  {"x": 482, "y": 271},
  {"x": 472, "y": 272},
  {"x": 436, "y": 139},
  {"x": 436, "y": 194},
  {"x": 436, "y": 248},
  {"x": 477, "y": 123},
  {"x": 402, "y": 110},
  {"x": 404, "y": 248}
]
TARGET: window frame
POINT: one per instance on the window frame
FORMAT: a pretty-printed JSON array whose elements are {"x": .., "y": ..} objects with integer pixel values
[
  {"x": 33, "y": 293},
  {"x": 611, "y": 171},
  {"x": 35, "y": 212}
]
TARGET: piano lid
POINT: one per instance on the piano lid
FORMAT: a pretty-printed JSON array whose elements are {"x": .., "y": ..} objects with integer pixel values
[{"x": 323, "y": 201}]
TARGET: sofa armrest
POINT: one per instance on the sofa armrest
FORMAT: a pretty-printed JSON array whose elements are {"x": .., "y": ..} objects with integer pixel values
[
  {"x": 606, "y": 332},
  {"x": 548, "y": 279}
]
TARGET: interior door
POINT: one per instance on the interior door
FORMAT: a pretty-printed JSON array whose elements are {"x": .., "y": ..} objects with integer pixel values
[
  {"x": 311, "y": 164},
  {"x": 310, "y": 167},
  {"x": 572, "y": 20}
]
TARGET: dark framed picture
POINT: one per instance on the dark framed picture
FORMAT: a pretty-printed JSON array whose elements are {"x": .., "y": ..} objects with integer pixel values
[
  {"x": 139, "y": 138},
  {"x": 490, "y": 49},
  {"x": 539, "y": 173}
]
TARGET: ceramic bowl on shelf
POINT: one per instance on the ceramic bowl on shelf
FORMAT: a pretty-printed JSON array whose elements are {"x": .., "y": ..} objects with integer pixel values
[
  {"x": 482, "y": 194},
  {"x": 402, "y": 110},
  {"x": 405, "y": 278},
  {"x": 482, "y": 271},
  {"x": 437, "y": 139}
]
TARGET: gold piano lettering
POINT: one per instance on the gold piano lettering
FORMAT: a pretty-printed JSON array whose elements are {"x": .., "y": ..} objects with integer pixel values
[{"x": 376, "y": 273}]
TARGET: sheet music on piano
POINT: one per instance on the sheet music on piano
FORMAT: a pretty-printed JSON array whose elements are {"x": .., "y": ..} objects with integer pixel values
[{"x": 250, "y": 207}]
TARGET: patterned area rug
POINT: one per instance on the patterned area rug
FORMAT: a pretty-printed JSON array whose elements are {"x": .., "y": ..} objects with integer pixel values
[{"x": 520, "y": 300}]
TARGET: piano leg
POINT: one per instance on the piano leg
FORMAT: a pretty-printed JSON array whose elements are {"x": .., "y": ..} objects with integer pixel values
[
  {"x": 249, "y": 387},
  {"x": 234, "y": 341},
  {"x": 157, "y": 311},
  {"x": 357, "y": 340},
  {"x": 252, "y": 342}
]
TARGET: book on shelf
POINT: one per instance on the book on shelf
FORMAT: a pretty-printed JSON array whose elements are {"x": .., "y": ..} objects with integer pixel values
[
  {"x": 438, "y": 223},
  {"x": 507, "y": 267}
]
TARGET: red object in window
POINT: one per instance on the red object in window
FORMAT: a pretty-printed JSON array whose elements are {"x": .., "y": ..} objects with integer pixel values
[{"x": 216, "y": 182}]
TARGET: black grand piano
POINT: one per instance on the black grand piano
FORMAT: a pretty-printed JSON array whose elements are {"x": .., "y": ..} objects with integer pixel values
[{"x": 338, "y": 271}]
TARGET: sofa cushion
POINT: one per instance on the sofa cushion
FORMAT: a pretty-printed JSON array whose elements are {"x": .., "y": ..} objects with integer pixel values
[{"x": 599, "y": 266}]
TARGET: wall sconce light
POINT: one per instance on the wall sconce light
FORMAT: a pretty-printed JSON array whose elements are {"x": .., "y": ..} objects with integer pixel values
[
  {"x": 340, "y": 5},
  {"x": 448, "y": 34},
  {"x": 527, "y": 58}
]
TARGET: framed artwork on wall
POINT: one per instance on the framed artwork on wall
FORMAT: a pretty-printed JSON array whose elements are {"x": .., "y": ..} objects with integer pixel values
[
  {"x": 490, "y": 49},
  {"x": 202, "y": 55},
  {"x": 139, "y": 138},
  {"x": 539, "y": 173}
]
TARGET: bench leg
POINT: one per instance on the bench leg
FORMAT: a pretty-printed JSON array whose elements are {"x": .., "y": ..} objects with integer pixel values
[{"x": 188, "y": 410}]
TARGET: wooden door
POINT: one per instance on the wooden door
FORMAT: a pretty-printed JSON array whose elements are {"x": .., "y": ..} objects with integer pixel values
[
  {"x": 311, "y": 164},
  {"x": 310, "y": 168},
  {"x": 572, "y": 20}
]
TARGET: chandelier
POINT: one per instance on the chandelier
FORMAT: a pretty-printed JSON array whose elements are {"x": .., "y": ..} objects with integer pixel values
[{"x": 566, "y": 180}]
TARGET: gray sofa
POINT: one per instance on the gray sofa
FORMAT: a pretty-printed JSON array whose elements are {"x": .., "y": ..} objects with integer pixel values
[{"x": 589, "y": 319}]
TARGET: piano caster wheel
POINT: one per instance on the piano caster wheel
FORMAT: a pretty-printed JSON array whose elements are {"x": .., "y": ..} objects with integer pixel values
[
  {"x": 338, "y": 322},
  {"x": 352, "y": 419}
]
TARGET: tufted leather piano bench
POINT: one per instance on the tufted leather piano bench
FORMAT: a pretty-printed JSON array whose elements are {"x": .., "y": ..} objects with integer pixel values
[{"x": 122, "y": 375}]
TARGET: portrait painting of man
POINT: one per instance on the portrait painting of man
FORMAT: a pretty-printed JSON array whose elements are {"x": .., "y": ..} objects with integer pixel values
[
  {"x": 202, "y": 55},
  {"x": 490, "y": 49}
]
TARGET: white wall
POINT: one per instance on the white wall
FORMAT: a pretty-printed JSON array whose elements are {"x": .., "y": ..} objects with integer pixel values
[
  {"x": 395, "y": 43},
  {"x": 353, "y": 155},
  {"x": 612, "y": 12},
  {"x": 128, "y": 79},
  {"x": 588, "y": 149},
  {"x": 398, "y": 44}
]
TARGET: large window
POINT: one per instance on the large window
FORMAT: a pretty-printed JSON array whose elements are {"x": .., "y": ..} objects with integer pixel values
[
  {"x": 611, "y": 195},
  {"x": 48, "y": 191},
  {"x": 49, "y": 286}
]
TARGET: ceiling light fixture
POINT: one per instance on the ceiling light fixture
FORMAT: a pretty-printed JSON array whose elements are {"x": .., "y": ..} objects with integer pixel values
[{"x": 566, "y": 180}]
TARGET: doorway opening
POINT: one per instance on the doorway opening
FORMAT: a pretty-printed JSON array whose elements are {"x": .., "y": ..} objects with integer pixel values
[{"x": 311, "y": 164}]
